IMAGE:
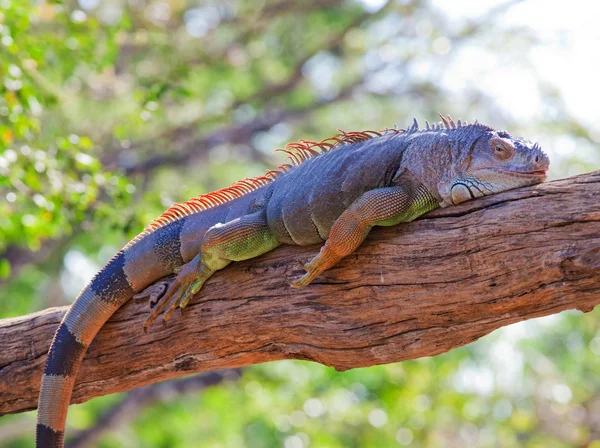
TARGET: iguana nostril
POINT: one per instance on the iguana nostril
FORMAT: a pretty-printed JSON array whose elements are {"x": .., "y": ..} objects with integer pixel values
[{"x": 537, "y": 159}]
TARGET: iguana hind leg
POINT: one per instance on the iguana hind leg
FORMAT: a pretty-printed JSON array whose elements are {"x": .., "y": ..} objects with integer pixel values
[
  {"x": 237, "y": 240},
  {"x": 380, "y": 207}
]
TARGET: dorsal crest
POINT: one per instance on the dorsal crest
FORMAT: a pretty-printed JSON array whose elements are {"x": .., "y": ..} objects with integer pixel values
[
  {"x": 208, "y": 200},
  {"x": 304, "y": 149}
]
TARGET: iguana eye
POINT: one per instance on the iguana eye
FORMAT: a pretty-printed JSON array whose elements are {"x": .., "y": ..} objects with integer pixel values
[{"x": 501, "y": 149}]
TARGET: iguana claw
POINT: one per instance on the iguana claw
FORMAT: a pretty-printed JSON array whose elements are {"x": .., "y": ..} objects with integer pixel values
[
  {"x": 188, "y": 282},
  {"x": 308, "y": 277},
  {"x": 178, "y": 292}
]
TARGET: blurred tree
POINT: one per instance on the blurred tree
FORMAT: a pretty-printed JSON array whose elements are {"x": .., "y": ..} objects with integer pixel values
[{"x": 111, "y": 110}]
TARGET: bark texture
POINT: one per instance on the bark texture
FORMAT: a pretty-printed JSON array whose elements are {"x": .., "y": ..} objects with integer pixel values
[{"x": 410, "y": 291}]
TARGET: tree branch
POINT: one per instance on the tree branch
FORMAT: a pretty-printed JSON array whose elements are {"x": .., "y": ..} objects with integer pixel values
[{"x": 412, "y": 290}]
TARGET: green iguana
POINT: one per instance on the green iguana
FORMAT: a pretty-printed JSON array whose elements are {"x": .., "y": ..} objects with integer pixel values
[{"x": 334, "y": 191}]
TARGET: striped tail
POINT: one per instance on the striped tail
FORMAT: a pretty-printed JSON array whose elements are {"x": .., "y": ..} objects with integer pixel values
[
  {"x": 142, "y": 262},
  {"x": 104, "y": 295}
]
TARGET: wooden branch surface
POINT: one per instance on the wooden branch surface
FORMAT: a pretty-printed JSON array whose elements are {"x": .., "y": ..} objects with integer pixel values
[{"x": 410, "y": 291}]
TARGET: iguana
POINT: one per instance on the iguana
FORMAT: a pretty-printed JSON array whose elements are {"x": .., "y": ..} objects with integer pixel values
[{"x": 333, "y": 191}]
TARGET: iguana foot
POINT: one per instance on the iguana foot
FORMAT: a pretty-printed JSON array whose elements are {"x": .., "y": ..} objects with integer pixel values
[{"x": 190, "y": 278}]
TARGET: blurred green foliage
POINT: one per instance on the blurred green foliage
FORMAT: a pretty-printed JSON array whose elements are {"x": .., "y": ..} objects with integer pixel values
[{"x": 112, "y": 110}]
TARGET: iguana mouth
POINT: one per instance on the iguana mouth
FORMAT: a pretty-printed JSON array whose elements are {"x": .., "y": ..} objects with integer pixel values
[{"x": 536, "y": 173}]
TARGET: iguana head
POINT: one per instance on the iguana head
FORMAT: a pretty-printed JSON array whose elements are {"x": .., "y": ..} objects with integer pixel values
[{"x": 493, "y": 161}]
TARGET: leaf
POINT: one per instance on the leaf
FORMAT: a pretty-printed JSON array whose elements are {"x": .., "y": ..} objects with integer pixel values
[{"x": 4, "y": 268}]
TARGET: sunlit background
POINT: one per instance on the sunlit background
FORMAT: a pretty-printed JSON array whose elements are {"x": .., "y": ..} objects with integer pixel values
[{"x": 111, "y": 110}]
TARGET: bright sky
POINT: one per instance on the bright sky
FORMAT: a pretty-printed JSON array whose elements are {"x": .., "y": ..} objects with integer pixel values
[{"x": 567, "y": 57}]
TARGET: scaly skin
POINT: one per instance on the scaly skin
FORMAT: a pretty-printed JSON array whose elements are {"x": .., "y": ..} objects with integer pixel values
[{"x": 357, "y": 181}]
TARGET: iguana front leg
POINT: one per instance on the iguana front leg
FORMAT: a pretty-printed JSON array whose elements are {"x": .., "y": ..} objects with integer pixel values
[
  {"x": 239, "y": 239},
  {"x": 380, "y": 207}
]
